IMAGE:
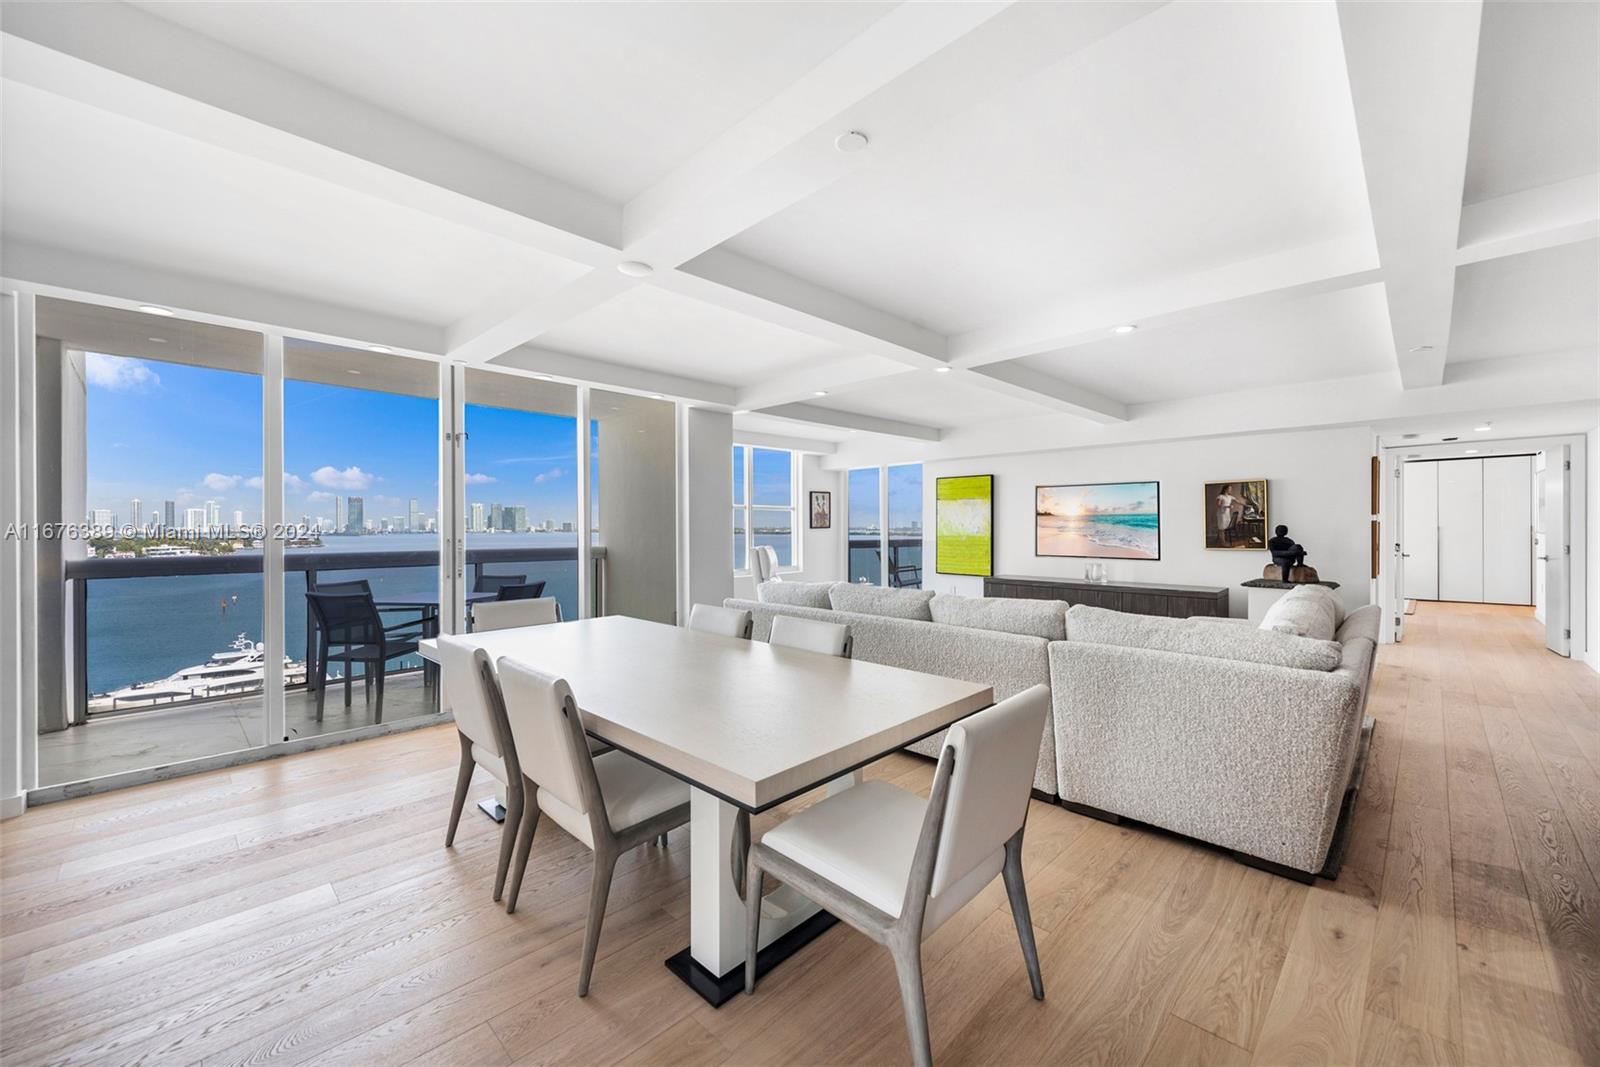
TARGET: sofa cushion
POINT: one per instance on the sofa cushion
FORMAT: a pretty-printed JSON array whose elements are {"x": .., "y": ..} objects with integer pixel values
[
  {"x": 1362, "y": 622},
  {"x": 800, "y": 594},
  {"x": 1011, "y": 615},
  {"x": 1305, "y": 611},
  {"x": 1216, "y": 638},
  {"x": 876, "y": 600}
]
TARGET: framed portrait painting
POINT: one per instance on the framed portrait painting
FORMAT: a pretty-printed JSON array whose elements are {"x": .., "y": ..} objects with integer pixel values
[{"x": 1236, "y": 514}]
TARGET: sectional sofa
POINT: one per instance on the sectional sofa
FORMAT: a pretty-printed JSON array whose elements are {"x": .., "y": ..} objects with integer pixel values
[{"x": 1249, "y": 739}]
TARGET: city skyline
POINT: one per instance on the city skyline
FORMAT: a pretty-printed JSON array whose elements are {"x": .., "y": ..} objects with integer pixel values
[{"x": 190, "y": 437}]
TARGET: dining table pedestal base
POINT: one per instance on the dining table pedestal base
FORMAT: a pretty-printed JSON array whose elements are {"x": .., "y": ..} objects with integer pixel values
[{"x": 718, "y": 991}]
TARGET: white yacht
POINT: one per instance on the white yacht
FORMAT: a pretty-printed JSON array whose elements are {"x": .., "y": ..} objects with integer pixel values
[{"x": 238, "y": 670}]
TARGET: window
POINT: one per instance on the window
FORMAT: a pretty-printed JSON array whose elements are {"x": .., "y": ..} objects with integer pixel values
[
  {"x": 764, "y": 489},
  {"x": 884, "y": 508}
]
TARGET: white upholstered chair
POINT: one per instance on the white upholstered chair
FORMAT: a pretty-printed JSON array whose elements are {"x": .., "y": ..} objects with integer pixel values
[
  {"x": 896, "y": 867},
  {"x": 726, "y": 622},
  {"x": 811, "y": 635},
  {"x": 611, "y": 802},
  {"x": 473, "y": 695},
  {"x": 505, "y": 614},
  {"x": 764, "y": 564}
]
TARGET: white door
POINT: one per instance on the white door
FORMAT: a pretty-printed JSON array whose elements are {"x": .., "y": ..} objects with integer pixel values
[
  {"x": 1461, "y": 530},
  {"x": 1508, "y": 530},
  {"x": 1419, "y": 531},
  {"x": 1554, "y": 501}
]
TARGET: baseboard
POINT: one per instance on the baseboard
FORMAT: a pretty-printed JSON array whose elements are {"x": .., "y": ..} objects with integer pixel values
[{"x": 11, "y": 807}]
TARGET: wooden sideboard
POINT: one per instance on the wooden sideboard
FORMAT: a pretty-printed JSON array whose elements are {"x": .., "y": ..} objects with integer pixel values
[{"x": 1138, "y": 598}]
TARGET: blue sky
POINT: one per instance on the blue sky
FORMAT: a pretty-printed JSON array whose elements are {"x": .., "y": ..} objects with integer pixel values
[
  {"x": 905, "y": 497},
  {"x": 1120, "y": 498},
  {"x": 167, "y": 431}
]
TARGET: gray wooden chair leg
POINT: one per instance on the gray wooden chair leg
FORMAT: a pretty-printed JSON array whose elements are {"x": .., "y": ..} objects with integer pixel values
[
  {"x": 1017, "y": 891},
  {"x": 348, "y": 666},
  {"x": 752, "y": 911},
  {"x": 463, "y": 783},
  {"x": 605, "y": 862},
  {"x": 907, "y": 955},
  {"x": 519, "y": 864},
  {"x": 508, "y": 836}
]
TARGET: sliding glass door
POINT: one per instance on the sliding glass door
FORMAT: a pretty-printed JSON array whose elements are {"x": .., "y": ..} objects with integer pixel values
[{"x": 885, "y": 522}]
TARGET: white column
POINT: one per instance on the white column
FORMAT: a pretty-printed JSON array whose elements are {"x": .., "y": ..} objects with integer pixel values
[
  {"x": 272, "y": 603},
  {"x": 18, "y": 711},
  {"x": 585, "y": 510},
  {"x": 883, "y": 526},
  {"x": 452, "y": 503}
]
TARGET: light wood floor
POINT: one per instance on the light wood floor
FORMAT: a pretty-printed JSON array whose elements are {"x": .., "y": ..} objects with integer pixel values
[{"x": 303, "y": 910}]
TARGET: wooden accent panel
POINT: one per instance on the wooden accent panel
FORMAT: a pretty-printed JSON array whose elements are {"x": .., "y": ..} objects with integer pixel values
[{"x": 1137, "y": 598}]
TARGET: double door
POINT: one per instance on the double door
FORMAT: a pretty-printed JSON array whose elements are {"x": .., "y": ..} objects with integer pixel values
[{"x": 1467, "y": 532}]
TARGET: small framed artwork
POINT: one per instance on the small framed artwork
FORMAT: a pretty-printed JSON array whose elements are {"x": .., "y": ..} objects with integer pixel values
[
  {"x": 964, "y": 525},
  {"x": 821, "y": 510},
  {"x": 1236, "y": 514},
  {"x": 1105, "y": 520}
]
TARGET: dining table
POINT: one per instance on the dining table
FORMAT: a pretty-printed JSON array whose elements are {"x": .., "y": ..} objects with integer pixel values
[{"x": 748, "y": 726}]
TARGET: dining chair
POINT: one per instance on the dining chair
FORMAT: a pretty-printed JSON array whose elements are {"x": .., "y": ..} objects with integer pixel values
[
  {"x": 896, "y": 867},
  {"x": 504, "y": 614},
  {"x": 811, "y": 635},
  {"x": 350, "y": 630},
  {"x": 611, "y": 802},
  {"x": 764, "y": 564},
  {"x": 467, "y": 677},
  {"x": 727, "y": 622},
  {"x": 528, "y": 591},
  {"x": 491, "y": 583}
]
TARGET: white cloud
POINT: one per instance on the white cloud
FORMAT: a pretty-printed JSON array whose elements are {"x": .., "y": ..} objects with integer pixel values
[
  {"x": 291, "y": 482},
  {"x": 479, "y": 479},
  {"x": 552, "y": 473},
  {"x": 319, "y": 497},
  {"x": 221, "y": 483},
  {"x": 119, "y": 373},
  {"x": 349, "y": 478}
]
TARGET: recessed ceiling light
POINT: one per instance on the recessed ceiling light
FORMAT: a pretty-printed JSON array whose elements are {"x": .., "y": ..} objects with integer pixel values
[
  {"x": 1124, "y": 328},
  {"x": 157, "y": 340},
  {"x": 657, "y": 396},
  {"x": 941, "y": 370},
  {"x": 151, "y": 309},
  {"x": 635, "y": 269},
  {"x": 542, "y": 377},
  {"x": 1422, "y": 348},
  {"x": 379, "y": 348},
  {"x": 1485, "y": 428},
  {"x": 1472, "y": 451},
  {"x": 854, "y": 141},
  {"x": 352, "y": 372},
  {"x": 820, "y": 392},
  {"x": 742, "y": 411}
]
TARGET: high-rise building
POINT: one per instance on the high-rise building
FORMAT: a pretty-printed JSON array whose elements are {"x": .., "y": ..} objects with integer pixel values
[
  {"x": 355, "y": 508},
  {"x": 238, "y": 520},
  {"x": 214, "y": 514},
  {"x": 136, "y": 513},
  {"x": 519, "y": 519},
  {"x": 194, "y": 519},
  {"x": 102, "y": 518},
  {"x": 413, "y": 517},
  {"x": 475, "y": 524},
  {"x": 169, "y": 514},
  {"x": 341, "y": 521},
  {"x": 496, "y": 516}
]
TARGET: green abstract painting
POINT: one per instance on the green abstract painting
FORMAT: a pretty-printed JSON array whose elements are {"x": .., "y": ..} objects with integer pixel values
[{"x": 964, "y": 518}]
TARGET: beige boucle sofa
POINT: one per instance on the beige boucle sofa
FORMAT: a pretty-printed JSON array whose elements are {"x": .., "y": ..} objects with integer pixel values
[{"x": 1248, "y": 740}]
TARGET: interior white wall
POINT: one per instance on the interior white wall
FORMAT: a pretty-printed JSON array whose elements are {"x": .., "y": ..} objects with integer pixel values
[
  {"x": 705, "y": 508},
  {"x": 1318, "y": 485},
  {"x": 822, "y": 552},
  {"x": 1592, "y": 503},
  {"x": 637, "y": 487}
]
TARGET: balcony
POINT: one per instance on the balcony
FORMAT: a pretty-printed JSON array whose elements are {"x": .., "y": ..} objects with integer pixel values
[
  {"x": 134, "y": 627},
  {"x": 905, "y": 559}
]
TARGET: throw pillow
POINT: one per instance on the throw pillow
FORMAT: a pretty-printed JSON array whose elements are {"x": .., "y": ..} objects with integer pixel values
[{"x": 1304, "y": 611}]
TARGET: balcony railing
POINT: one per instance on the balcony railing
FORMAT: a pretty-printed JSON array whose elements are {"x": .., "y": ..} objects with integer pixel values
[
  {"x": 82, "y": 574},
  {"x": 905, "y": 558}
]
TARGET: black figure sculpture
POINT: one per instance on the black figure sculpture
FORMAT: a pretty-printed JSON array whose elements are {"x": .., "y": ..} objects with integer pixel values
[{"x": 1285, "y": 553}]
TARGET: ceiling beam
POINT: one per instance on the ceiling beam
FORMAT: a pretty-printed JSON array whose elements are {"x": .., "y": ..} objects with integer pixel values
[
  {"x": 75, "y": 276},
  {"x": 1412, "y": 68},
  {"x": 618, "y": 376},
  {"x": 1546, "y": 217},
  {"x": 1024, "y": 383},
  {"x": 120, "y": 59},
  {"x": 849, "y": 420},
  {"x": 899, "y": 81}
]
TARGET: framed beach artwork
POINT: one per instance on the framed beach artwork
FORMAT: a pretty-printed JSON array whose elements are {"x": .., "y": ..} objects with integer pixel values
[
  {"x": 821, "y": 510},
  {"x": 1236, "y": 514},
  {"x": 964, "y": 525},
  {"x": 1106, "y": 520}
]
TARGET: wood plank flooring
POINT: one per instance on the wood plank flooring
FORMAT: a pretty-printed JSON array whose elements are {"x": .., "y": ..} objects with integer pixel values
[{"x": 304, "y": 911}]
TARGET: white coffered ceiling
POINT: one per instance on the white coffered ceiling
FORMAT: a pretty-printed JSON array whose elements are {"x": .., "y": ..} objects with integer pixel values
[{"x": 1280, "y": 196}]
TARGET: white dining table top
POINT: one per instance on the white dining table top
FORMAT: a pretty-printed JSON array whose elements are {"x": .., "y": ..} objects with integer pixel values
[{"x": 742, "y": 719}]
